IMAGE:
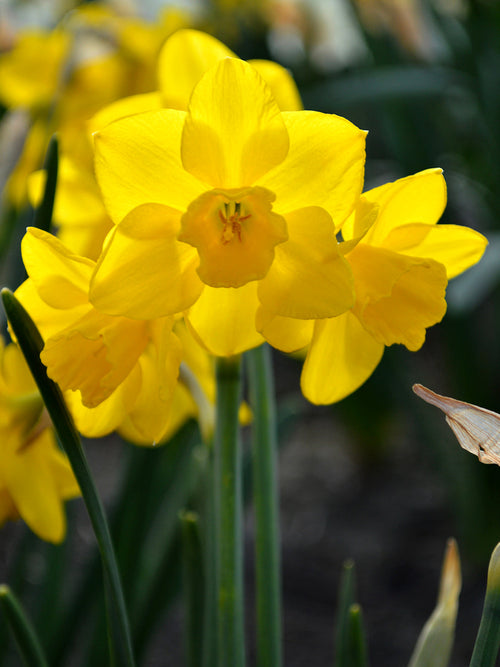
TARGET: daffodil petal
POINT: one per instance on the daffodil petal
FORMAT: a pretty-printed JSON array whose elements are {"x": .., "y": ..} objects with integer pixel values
[
  {"x": 150, "y": 416},
  {"x": 309, "y": 278},
  {"x": 417, "y": 198},
  {"x": 145, "y": 244},
  {"x": 223, "y": 319},
  {"x": 48, "y": 320},
  {"x": 34, "y": 491},
  {"x": 284, "y": 333},
  {"x": 109, "y": 414},
  {"x": 94, "y": 355},
  {"x": 341, "y": 357},
  {"x": 183, "y": 60},
  {"x": 458, "y": 248},
  {"x": 397, "y": 296},
  {"x": 234, "y": 132},
  {"x": 67, "y": 486},
  {"x": 281, "y": 83},
  {"x": 138, "y": 161},
  {"x": 61, "y": 277},
  {"x": 324, "y": 165},
  {"x": 126, "y": 106}
]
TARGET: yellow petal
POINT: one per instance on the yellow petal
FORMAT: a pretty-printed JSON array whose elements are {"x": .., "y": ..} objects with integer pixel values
[
  {"x": 94, "y": 354},
  {"x": 61, "y": 277},
  {"x": 150, "y": 414},
  {"x": 34, "y": 489},
  {"x": 309, "y": 278},
  {"x": 324, "y": 166},
  {"x": 77, "y": 200},
  {"x": 458, "y": 248},
  {"x": 48, "y": 320},
  {"x": 341, "y": 357},
  {"x": 281, "y": 83},
  {"x": 234, "y": 132},
  {"x": 30, "y": 72},
  {"x": 284, "y": 333},
  {"x": 108, "y": 415},
  {"x": 358, "y": 223},
  {"x": 397, "y": 297},
  {"x": 223, "y": 319},
  {"x": 126, "y": 106},
  {"x": 144, "y": 272},
  {"x": 138, "y": 161},
  {"x": 183, "y": 60},
  {"x": 417, "y": 198}
]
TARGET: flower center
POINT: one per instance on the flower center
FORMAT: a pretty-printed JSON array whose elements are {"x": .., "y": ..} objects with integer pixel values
[
  {"x": 234, "y": 232},
  {"x": 231, "y": 220}
]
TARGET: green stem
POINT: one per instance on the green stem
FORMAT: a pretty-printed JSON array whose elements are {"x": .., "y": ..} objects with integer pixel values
[
  {"x": 488, "y": 637},
  {"x": 266, "y": 503},
  {"x": 23, "y": 631},
  {"x": 228, "y": 517},
  {"x": 31, "y": 344}
]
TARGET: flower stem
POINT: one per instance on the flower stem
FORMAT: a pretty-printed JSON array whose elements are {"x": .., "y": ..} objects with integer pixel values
[
  {"x": 23, "y": 631},
  {"x": 266, "y": 504},
  {"x": 228, "y": 517},
  {"x": 31, "y": 344}
]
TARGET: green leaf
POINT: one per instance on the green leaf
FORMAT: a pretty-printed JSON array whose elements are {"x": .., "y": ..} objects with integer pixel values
[
  {"x": 31, "y": 344},
  {"x": 43, "y": 214},
  {"x": 26, "y": 638},
  {"x": 342, "y": 628},
  {"x": 194, "y": 587},
  {"x": 488, "y": 638},
  {"x": 433, "y": 648}
]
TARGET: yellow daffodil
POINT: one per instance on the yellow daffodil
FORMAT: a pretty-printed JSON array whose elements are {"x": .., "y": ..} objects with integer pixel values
[
  {"x": 35, "y": 476},
  {"x": 84, "y": 349},
  {"x": 401, "y": 263},
  {"x": 114, "y": 370},
  {"x": 223, "y": 207},
  {"x": 31, "y": 73}
]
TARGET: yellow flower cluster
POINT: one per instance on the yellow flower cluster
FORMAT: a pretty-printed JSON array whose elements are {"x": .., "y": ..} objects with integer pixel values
[{"x": 216, "y": 215}]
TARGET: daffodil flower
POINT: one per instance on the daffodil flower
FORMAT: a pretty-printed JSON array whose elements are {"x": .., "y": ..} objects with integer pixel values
[
  {"x": 117, "y": 373},
  {"x": 401, "y": 262},
  {"x": 224, "y": 207},
  {"x": 35, "y": 476}
]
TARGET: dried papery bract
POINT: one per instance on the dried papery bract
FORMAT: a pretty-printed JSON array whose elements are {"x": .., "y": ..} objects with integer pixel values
[{"x": 477, "y": 429}]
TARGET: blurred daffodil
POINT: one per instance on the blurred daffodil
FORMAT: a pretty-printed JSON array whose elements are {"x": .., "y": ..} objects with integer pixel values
[
  {"x": 35, "y": 476},
  {"x": 230, "y": 204}
]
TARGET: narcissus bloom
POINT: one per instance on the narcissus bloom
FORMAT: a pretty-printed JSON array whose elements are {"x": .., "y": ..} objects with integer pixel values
[
  {"x": 35, "y": 476},
  {"x": 113, "y": 363},
  {"x": 224, "y": 207},
  {"x": 401, "y": 262}
]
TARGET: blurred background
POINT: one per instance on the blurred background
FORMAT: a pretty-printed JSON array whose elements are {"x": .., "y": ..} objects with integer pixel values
[{"x": 379, "y": 477}]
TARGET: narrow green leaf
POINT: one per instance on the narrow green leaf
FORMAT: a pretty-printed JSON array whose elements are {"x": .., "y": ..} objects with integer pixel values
[
  {"x": 343, "y": 622},
  {"x": 31, "y": 344},
  {"x": 26, "y": 638},
  {"x": 433, "y": 648},
  {"x": 194, "y": 585},
  {"x": 488, "y": 638},
  {"x": 356, "y": 638},
  {"x": 43, "y": 214}
]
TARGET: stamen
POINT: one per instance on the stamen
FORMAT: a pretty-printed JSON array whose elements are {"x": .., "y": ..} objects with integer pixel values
[{"x": 231, "y": 221}]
